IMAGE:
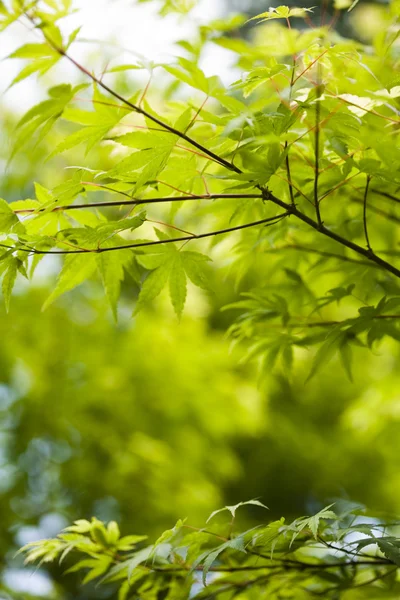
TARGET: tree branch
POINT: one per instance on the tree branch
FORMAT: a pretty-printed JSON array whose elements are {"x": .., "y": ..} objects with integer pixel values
[{"x": 331, "y": 234}]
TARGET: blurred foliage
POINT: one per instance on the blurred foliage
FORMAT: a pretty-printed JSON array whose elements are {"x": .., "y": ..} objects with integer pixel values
[{"x": 154, "y": 419}]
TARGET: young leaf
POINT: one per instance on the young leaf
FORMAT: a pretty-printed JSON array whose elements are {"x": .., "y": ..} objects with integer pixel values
[
  {"x": 111, "y": 266},
  {"x": 153, "y": 285},
  {"x": 177, "y": 284},
  {"x": 76, "y": 269},
  {"x": 9, "y": 278},
  {"x": 9, "y": 222},
  {"x": 235, "y": 544}
]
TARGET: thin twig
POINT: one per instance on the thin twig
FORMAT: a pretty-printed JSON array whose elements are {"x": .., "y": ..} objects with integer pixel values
[
  {"x": 146, "y": 89},
  {"x": 342, "y": 257},
  {"x": 134, "y": 201},
  {"x": 378, "y": 211},
  {"x": 339, "y": 185},
  {"x": 365, "y": 213},
  {"x": 287, "y": 161},
  {"x": 386, "y": 195},
  {"x": 171, "y": 226},
  {"x": 198, "y": 111},
  {"x": 298, "y": 190},
  {"x": 317, "y": 140},
  {"x": 265, "y": 222},
  {"x": 310, "y": 65}
]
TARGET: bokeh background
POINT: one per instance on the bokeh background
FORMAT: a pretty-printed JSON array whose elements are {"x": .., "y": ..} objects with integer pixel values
[{"x": 153, "y": 419}]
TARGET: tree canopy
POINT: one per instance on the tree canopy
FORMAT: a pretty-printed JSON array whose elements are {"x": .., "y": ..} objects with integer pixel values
[
  {"x": 286, "y": 161},
  {"x": 181, "y": 215}
]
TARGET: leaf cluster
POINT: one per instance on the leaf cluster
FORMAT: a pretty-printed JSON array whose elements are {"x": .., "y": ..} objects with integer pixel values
[{"x": 331, "y": 554}]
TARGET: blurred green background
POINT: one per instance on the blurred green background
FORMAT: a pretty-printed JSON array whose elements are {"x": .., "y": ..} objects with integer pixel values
[{"x": 154, "y": 419}]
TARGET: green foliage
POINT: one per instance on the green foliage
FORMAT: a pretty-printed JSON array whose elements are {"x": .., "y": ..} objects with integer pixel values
[
  {"x": 338, "y": 553},
  {"x": 287, "y": 160},
  {"x": 278, "y": 194}
]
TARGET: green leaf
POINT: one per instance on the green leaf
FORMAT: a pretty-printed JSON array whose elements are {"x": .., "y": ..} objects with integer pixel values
[
  {"x": 111, "y": 266},
  {"x": 128, "y": 542},
  {"x": 124, "y": 591},
  {"x": 76, "y": 269},
  {"x": 196, "y": 270},
  {"x": 390, "y": 549},
  {"x": 72, "y": 37},
  {"x": 346, "y": 357},
  {"x": 233, "y": 509},
  {"x": 42, "y": 50},
  {"x": 138, "y": 558},
  {"x": 43, "y": 195},
  {"x": 326, "y": 352},
  {"x": 177, "y": 284},
  {"x": 235, "y": 544},
  {"x": 106, "y": 230},
  {"x": 282, "y": 12},
  {"x": 151, "y": 261},
  {"x": 312, "y": 523},
  {"x": 153, "y": 285},
  {"x": 189, "y": 73},
  {"x": 101, "y": 565},
  {"x": 40, "y": 66},
  {"x": 9, "y": 278},
  {"x": 9, "y": 222},
  {"x": 79, "y": 526},
  {"x": 173, "y": 266}
]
